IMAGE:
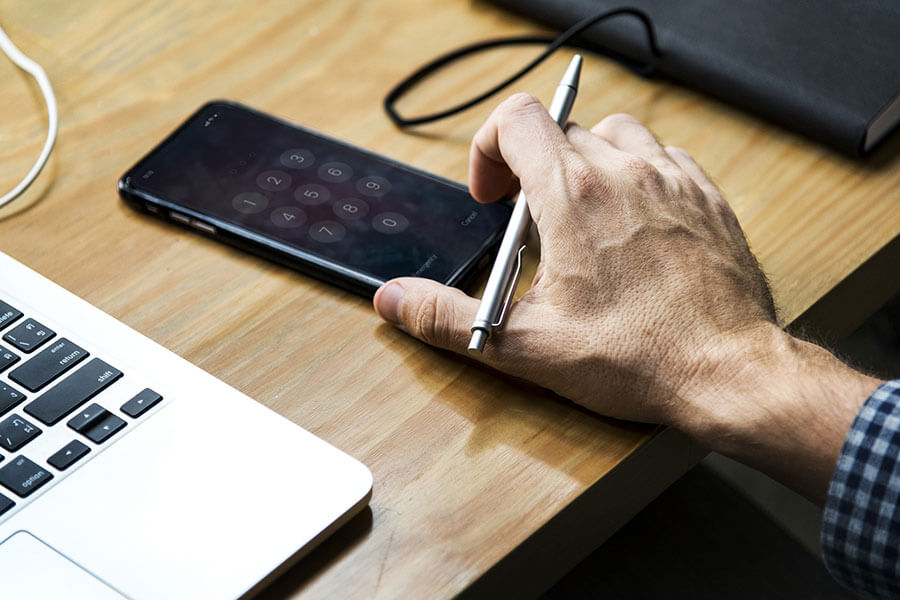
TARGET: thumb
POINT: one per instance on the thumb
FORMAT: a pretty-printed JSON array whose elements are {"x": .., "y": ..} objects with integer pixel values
[{"x": 436, "y": 314}]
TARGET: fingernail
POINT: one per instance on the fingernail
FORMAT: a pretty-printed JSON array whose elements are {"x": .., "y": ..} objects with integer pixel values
[{"x": 389, "y": 302}]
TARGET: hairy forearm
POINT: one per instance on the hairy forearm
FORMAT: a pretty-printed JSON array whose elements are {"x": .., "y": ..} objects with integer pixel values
[{"x": 777, "y": 403}]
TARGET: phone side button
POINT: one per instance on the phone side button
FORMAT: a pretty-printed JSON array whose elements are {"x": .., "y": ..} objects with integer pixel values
[
  {"x": 180, "y": 217},
  {"x": 203, "y": 227}
]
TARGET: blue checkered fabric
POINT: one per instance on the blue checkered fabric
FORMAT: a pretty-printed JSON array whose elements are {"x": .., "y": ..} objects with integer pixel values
[{"x": 861, "y": 525}]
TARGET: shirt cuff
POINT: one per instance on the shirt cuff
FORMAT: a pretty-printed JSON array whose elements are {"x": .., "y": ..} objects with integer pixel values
[{"x": 860, "y": 534}]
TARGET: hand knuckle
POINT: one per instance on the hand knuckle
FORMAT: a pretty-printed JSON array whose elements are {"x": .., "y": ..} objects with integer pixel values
[
  {"x": 614, "y": 120},
  {"x": 520, "y": 103},
  {"x": 432, "y": 321},
  {"x": 641, "y": 169},
  {"x": 425, "y": 318},
  {"x": 685, "y": 186},
  {"x": 584, "y": 179},
  {"x": 622, "y": 118}
]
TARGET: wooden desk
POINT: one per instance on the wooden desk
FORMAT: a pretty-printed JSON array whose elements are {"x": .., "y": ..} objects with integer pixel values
[{"x": 475, "y": 477}]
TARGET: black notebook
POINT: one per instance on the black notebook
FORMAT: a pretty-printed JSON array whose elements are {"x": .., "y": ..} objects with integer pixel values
[{"x": 827, "y": 69}]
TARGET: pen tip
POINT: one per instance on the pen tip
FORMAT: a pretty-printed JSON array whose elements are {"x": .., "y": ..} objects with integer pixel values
[{"x": 573, "y": 73}]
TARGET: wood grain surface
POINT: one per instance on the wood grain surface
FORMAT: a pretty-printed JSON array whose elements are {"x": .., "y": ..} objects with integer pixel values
[{"x": 468, "y": 466}]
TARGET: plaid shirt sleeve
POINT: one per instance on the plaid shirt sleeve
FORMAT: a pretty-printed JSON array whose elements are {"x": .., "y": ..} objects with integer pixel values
[{"x": 860, "y": 534}]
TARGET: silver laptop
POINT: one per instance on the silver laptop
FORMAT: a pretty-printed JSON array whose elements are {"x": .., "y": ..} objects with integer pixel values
[{"x": 125, "y": 471}]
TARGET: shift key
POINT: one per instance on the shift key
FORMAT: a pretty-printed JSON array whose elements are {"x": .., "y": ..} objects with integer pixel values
[
  {"x": 72, "y": 392},
  {"x": 48, "y": 364}
]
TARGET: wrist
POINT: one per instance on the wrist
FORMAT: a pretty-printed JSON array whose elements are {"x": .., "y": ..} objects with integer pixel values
[{"x": 776, "y": 403}]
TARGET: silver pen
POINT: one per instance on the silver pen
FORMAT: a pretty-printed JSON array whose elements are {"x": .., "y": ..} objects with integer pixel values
[{"x": 504, "y": 277}]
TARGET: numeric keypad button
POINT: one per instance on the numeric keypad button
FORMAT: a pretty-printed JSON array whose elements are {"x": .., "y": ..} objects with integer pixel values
[
  {"x": 312, "y": 194},
  {"x": 335, "y": 172},
  {"x": 373, "y": 186},
  {"x": 273, "y": 181},
  {"x": 351, "y": 209},
  {"x": 249, "y": 203},
  {"x": 288, "y": 217},
  {"x": 327, "y": 231},
  {"x": 297, "y": 158},
  {"x": 390, "y": 223}
]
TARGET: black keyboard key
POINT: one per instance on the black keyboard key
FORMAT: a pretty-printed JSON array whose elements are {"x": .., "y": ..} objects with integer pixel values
[
  {"x": 5, "y": 504},
  {"x": 88, "y": 417},
  {"x": 23, "y": 477},
  {"x": 96, "y": 423},
  {"x": 7, "y": 359},
  {"x": 72, "y": 392},
  {"x": 8, "y": 314},
  {"x": 9, "y": 397},
  {"x": 15, "y": 432},
  {"x": 141, "y": 403},
  {"x": 102, "y": 431},
  {"x": 70, "y": 453},
  {"x": 49, "y": 364},
  {"x": 29, "y": 335}
]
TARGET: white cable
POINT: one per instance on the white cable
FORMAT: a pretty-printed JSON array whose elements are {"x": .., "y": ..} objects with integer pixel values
[{"x": 35, "y": 70}]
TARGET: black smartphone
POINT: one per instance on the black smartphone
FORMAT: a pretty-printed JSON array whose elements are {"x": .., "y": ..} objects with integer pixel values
[{"x": 321, "y": 206}]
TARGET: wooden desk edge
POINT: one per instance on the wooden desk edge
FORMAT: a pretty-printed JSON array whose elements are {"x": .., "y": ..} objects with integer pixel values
[
  {"x": 848, "y": 304},
  {"x": 580, "y": 527}
]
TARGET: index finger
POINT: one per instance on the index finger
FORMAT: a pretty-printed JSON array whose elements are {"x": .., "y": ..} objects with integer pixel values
[{"x": 519, "y": 139}]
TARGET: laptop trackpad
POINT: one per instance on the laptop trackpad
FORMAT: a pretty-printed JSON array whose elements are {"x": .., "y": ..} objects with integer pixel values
[{"x": 31, "y": 569}]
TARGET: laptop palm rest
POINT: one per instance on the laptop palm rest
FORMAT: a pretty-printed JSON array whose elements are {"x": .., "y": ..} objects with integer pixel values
[
  {"x": 29, "y": 568},
  {"x": 204, "y": 495}
]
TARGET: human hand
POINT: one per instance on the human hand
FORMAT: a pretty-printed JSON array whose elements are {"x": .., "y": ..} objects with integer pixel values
[
  {"x": 644, "y": 269},
  {"x": 647, "y": 303}
]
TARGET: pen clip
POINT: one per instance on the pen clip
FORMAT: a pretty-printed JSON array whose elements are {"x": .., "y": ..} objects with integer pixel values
[{"x": 514, "y": 282}]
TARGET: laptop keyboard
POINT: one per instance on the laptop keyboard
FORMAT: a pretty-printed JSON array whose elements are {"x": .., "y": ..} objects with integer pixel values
[{"x": 33, "y": 356}]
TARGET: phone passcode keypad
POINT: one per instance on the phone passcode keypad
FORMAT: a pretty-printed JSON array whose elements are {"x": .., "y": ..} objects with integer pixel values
[
  {"x": 250, "y": 203},
  {"x": 292, "y": 194},
  {"x": 373, "y": 186},
  {"x": 350, "y": 209},
  {"x": 288, "y": 217},
  {"x": 273, "y": 181},
  {"x": 312, "y": 194},
  {"x": 297, "y": 158}
]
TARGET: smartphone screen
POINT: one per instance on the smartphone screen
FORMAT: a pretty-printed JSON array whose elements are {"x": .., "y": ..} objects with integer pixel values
[{"x": 312, "y": 200}]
